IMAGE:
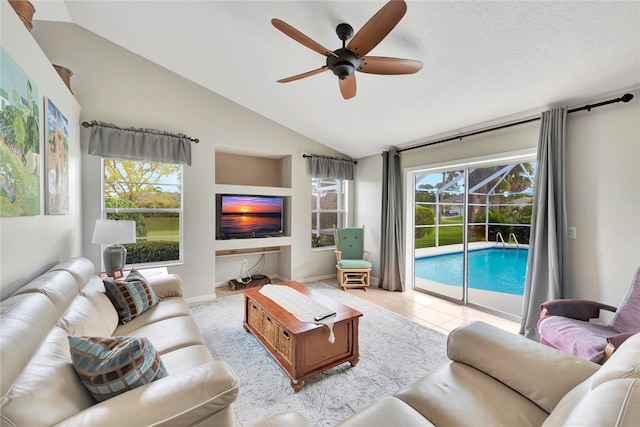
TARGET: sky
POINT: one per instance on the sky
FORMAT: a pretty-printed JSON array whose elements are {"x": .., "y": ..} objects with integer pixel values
[{"x": 251, "y": 204}]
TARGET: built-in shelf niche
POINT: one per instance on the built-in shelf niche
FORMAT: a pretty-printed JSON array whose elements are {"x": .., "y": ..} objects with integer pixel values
[
  {"x": 249, "y": 170},
  {"x": 253, "y": 173}
]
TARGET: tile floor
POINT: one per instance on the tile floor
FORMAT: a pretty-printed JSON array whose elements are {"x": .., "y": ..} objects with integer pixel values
[{"x": 430, "y": 311}]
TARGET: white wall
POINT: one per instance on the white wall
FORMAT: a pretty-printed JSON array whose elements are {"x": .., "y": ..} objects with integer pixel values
[
  {"x": 115, "y": 85},
  {"x": 31, "y": 245},
  {"x": 603, "y": 195}
]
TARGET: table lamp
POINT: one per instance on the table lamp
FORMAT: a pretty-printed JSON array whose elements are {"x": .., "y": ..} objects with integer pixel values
[{"x": 114, "y": 233}]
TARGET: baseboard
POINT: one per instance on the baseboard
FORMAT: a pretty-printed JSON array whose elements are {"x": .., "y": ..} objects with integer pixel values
[
  {"x": 315, "y": 278},
  {"x": 373, "y": 280},
  {"x": 200, "y": 298}
]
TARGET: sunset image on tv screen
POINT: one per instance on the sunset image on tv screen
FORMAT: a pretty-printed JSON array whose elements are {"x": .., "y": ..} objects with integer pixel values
[
  {"x": 251, "y": 205},
  {"x": 251, "y": 215}
]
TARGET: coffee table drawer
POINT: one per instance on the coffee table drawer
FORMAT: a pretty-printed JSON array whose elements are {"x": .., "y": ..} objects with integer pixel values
[
  {"x": 284, "y": 344},
  {"x": 255, "y": 315},
  {"x": 263, "y": 324}
]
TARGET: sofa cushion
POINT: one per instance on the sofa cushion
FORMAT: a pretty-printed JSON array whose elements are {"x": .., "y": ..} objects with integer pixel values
[
  {"x": 185, "y": 358},
  {"x": 616, "y": 403},
  {"x": 131, "y": 296},
  {"x": 200, "y": 396},
  {"x": 47, "y": 390},
  {"x": 163, "y": 334},
  {"x": 457, "y": 393},
  {"x": 94, "y": 291},
  {"x": 388, "y": 412},
  {"x": 166, "y": 309},
  {"x": 83, "y": 318},
  {"x": 166, "y": 285},
  {"x": 21, "y": 333},
  {"x": 549, "y": 375},
  {"x": 623, "y": 363},
  {"x": 109, "y": 366},
  {"x": 283, "y": 419},
  {"x": 59, "y": 286},
  {"x": 81, "y": 268}
]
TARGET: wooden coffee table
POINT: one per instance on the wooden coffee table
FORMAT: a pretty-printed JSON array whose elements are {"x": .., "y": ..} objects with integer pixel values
[{"x": 302, "y": 349}]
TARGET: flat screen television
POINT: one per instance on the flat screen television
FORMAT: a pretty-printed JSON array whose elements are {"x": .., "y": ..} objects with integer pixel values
[{"x": 245, "y": 217}]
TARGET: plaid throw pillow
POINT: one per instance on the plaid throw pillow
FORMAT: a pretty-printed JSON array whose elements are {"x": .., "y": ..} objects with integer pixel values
[
  {"x": 131, "y": 296},
  {"x": 113, "y": 365}
]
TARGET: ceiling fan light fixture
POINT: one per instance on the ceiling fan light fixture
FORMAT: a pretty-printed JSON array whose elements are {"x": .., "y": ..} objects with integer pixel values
[
  {"x": 344, "y": 64},
  {"x": 343, "y": 70}
]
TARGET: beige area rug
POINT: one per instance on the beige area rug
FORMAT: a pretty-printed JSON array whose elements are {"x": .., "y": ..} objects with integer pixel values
[{"x": 393, "y": 352}]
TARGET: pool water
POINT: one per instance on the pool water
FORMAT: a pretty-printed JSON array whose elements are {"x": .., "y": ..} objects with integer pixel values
[{"x": 493, "y": 269}]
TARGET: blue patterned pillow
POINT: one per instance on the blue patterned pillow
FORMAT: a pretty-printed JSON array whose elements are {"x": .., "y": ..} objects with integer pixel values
[
  {"x": 113, "y": 365},
  {"x": 131, "y": 296}
]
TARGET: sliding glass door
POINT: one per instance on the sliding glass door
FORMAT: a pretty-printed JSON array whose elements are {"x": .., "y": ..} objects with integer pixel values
[
  {"x": 439, "y": 232},
  {"x": 471, "y": 227}
]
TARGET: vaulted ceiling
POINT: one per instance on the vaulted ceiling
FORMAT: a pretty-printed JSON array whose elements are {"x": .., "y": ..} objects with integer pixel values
[{"x": 484, "y": 62}]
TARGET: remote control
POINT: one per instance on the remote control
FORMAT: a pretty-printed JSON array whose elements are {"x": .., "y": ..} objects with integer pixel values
[{"x": 324, "y": 316}]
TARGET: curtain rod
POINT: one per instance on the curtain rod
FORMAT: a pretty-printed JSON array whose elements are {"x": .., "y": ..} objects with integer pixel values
[
  {"x": 624, "y": 98},
  {"x": 308, "y": 156},
  {"x": 89, "y": 125}
]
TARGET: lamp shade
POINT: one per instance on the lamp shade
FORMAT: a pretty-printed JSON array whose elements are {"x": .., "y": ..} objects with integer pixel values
[{"x": 108, "y": 231}]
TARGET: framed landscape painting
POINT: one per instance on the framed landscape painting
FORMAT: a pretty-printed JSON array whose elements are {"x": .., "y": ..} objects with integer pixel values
[
  {"x": 19, "y": 141},
  {"x": 56, "y": 161}
]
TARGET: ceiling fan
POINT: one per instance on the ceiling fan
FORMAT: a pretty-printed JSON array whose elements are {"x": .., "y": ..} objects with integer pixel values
[{"x": 345, "y": 61}]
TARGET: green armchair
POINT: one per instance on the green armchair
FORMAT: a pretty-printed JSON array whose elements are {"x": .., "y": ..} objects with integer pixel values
[{"x": 353, "y": 261}]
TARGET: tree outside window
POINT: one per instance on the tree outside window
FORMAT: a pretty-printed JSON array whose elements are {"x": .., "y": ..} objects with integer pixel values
[{"x": 151, "y": 195}]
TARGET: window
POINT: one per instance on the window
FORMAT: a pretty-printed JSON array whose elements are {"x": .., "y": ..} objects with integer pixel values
[
  {"x": 328, "y": 201},
  {"x": 151, "y": 195}
]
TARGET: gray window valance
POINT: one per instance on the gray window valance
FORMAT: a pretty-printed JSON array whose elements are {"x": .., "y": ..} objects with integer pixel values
[
  {"x": 110, "y": 141},
  {"x": 331, "y": 167}
]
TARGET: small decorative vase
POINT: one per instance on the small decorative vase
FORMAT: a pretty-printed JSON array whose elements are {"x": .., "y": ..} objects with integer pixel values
[
  {"x": 65, "y": 75},
  {"x": 25, "y": 11}
]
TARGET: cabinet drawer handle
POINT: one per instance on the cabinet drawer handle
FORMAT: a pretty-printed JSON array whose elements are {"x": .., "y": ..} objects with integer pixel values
[{"x": 286, "y": 335}]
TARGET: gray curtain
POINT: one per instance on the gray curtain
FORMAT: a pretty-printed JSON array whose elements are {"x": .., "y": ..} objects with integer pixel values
[
  {"x": 391, "y": 245},
  {"x": 110, "y": 141},
  {"x": 331, "y": 167},
  {"x": 548, "y": 269}
]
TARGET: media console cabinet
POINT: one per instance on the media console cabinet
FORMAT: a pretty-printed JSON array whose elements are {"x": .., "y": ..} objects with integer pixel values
[{"x": 302, "y": 349}]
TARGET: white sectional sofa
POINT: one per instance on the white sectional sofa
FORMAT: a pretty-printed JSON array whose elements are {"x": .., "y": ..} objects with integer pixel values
[
  {"x": 41, "y": 388},
  {"x": 499, "y": 379}
]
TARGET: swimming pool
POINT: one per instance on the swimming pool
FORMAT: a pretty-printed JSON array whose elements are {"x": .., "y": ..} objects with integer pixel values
[{"x": 492, "y": 269}]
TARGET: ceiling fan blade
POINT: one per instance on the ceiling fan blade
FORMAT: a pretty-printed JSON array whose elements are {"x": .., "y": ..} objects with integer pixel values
[
  {"x": 303, "y": 75},
  {"x": 385, "y": 65},
  {"x": 301, "y": 38},
  {"x": 348, "y": 87},
  {"x": 377, "y": 28}
]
